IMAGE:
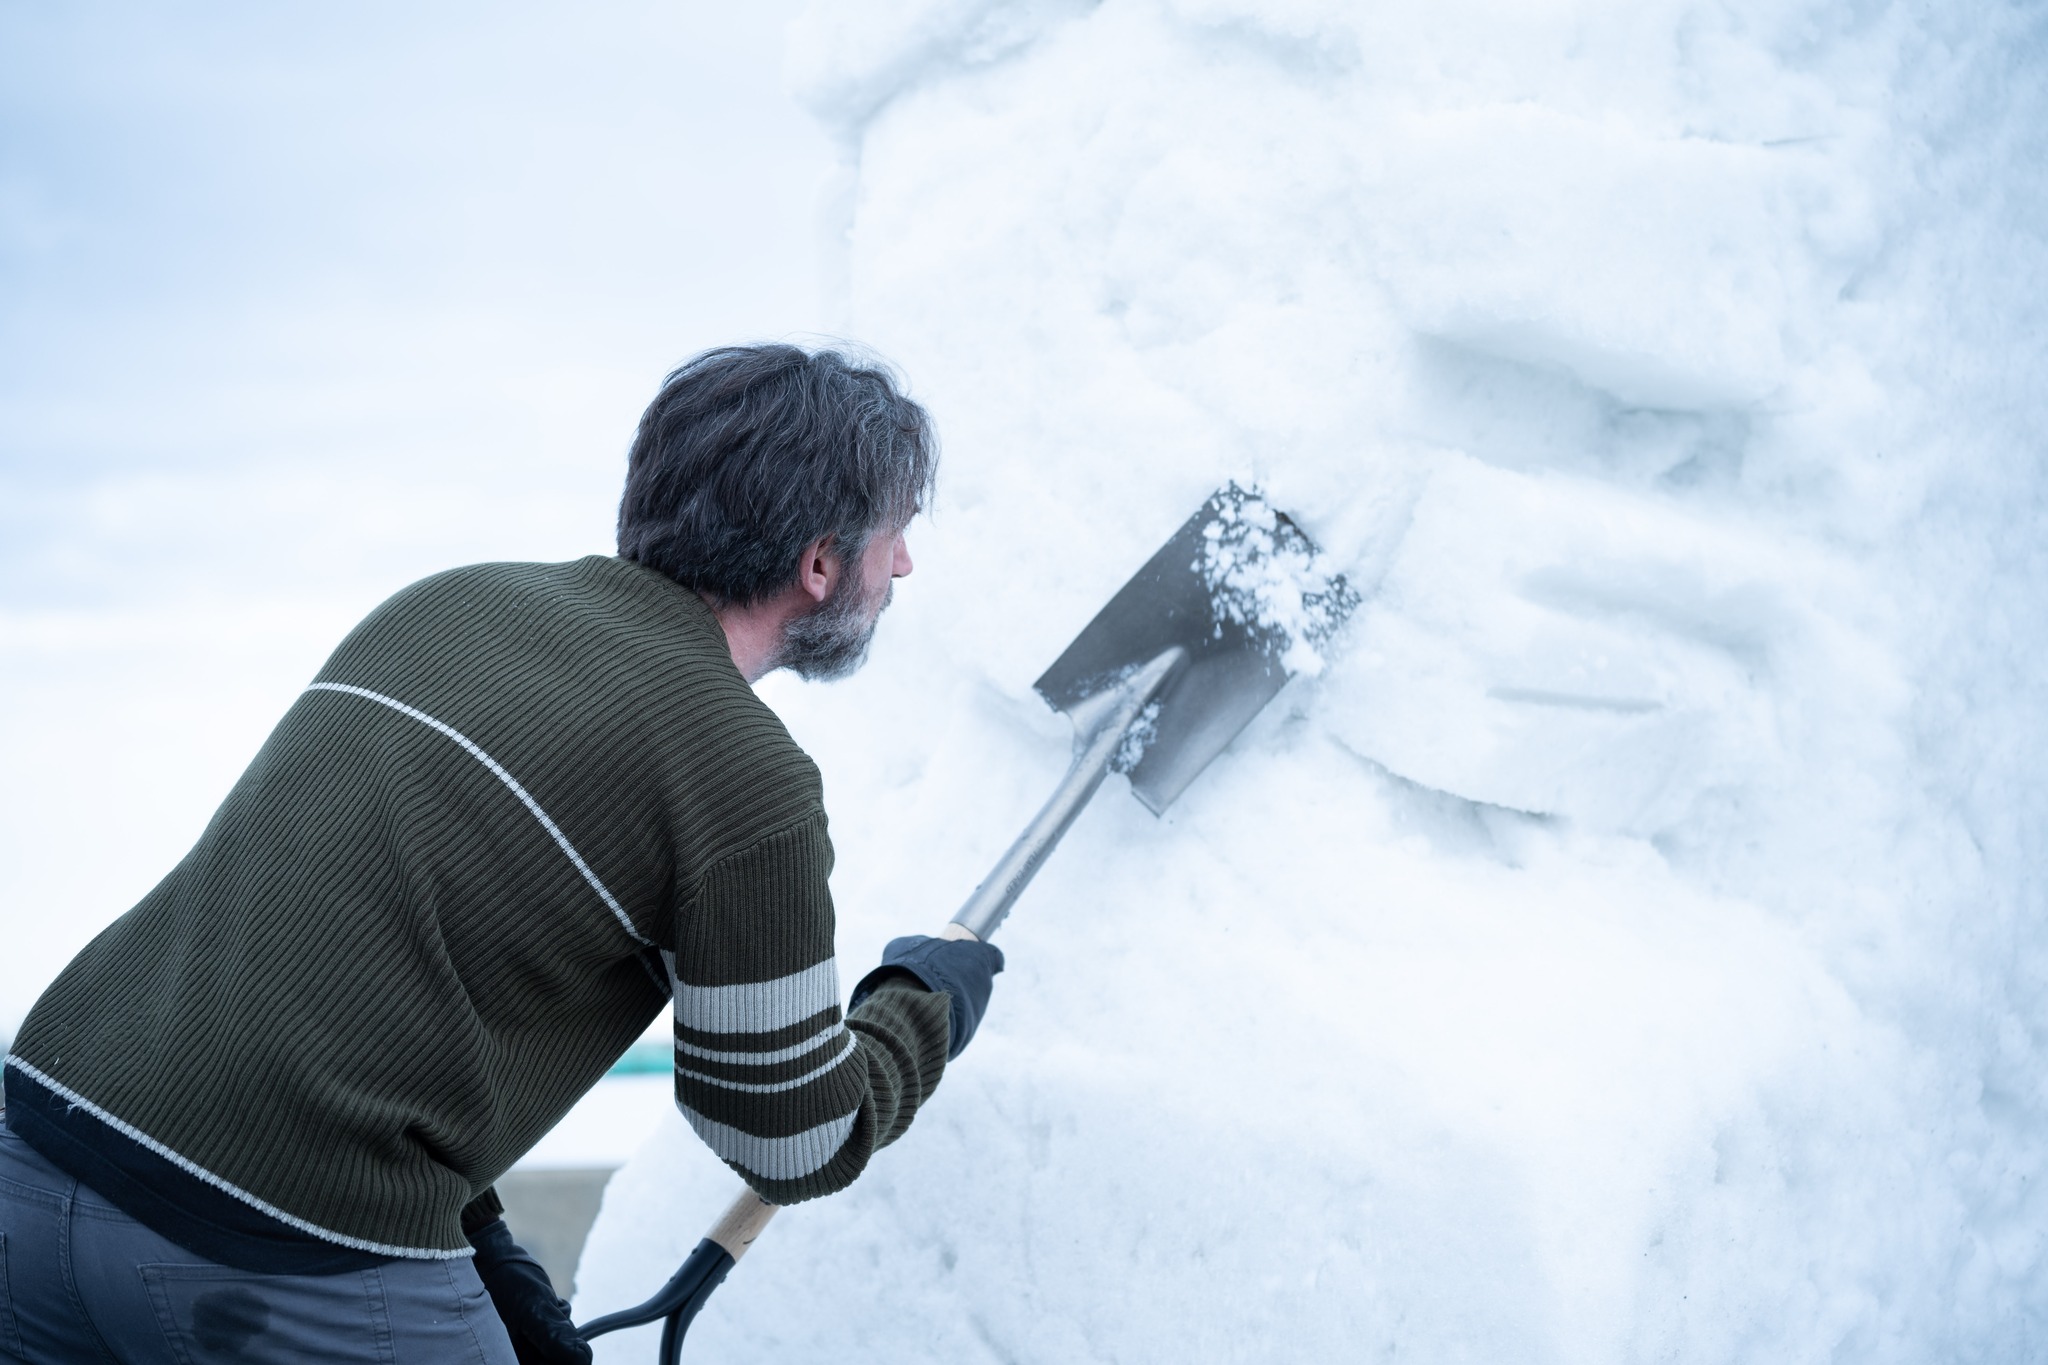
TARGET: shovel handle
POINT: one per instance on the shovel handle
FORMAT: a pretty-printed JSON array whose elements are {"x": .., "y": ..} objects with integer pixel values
[
  {"x": 742, "y": 1222},
  {"x": 1111, "y": 717}
]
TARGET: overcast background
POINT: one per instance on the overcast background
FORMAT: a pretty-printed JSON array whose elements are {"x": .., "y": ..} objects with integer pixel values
[{"x": 300, "y": 303}]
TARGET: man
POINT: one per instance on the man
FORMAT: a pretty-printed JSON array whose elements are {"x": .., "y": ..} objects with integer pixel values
[{"x": 522, "y": 808}]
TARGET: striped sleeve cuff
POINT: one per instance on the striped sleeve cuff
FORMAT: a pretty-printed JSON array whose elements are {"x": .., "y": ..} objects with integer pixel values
[
  {"x": 766, "y": 1071},
  {"x": 788, "y": 1093}
]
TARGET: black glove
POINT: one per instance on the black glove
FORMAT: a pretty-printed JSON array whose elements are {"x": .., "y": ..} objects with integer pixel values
[
  {"x": 537, "y": 1320},
  {"x": 963, "y": 968}
]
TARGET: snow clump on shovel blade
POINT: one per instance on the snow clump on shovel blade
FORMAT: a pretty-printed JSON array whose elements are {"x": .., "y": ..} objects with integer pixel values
[
  {"x": 1137, "y": 739},
  {"x": 1265, "y": 575}
]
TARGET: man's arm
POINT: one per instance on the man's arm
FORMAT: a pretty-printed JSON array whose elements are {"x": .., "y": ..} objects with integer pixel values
[{"x": 793, "y": 1094}]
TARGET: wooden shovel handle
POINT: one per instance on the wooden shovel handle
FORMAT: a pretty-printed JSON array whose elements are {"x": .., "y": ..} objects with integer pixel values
[
  {"x": 741, "y": 1223},
  {"x": 744, "y": 1219}
]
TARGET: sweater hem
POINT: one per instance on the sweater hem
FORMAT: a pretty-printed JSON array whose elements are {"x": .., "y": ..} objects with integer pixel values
[{"x": 177, "y": 1197}]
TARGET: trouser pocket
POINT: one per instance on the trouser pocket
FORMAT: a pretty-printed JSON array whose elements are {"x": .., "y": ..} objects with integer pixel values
[{"x": 214, "y": 1315}]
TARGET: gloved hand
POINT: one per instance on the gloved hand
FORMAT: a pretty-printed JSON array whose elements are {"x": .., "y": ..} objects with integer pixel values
[
  {"x": 964, "y": 968},
  {"x": 538, "y": 1321}
]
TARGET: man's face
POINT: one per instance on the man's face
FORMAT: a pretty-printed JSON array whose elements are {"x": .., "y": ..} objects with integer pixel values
[{"x": 831, "y": 640}]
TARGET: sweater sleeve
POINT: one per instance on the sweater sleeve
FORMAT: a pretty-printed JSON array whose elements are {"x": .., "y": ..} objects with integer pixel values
[{"x": 791, "y": 1093}]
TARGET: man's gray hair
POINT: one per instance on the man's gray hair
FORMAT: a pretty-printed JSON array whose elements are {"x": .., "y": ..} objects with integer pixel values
[{"x": 750, "y": 453}]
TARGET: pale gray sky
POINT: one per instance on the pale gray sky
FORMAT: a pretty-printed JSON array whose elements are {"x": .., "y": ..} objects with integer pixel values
[{"x": 300, "y": 303}]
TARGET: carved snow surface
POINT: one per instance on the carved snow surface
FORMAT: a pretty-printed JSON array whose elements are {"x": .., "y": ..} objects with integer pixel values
[{"x": 1627, "y": 945}]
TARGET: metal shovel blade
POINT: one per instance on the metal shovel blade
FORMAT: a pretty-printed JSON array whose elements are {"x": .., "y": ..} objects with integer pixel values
[{"x": 1237, "y": 587}]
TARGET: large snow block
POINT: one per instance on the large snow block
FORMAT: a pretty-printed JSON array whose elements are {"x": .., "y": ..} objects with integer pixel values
[{"x": 1662, "y": 271}]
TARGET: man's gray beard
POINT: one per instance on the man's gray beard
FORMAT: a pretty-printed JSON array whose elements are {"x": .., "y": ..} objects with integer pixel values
[{"x": 830, "y": 641}]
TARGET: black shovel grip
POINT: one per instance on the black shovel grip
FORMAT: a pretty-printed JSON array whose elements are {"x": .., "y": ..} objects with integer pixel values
[{"x": 677, "y": 1302}]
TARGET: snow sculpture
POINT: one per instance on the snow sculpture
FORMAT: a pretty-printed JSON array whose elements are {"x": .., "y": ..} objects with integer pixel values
[{"x": 1628, "y": 947}]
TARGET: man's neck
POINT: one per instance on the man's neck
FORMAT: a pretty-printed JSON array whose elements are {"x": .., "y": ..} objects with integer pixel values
[{"x": 754, "y": 632}]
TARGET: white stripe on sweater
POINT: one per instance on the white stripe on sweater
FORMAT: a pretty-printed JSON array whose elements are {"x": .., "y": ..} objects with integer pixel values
[
  {"x": 498, "y": 771},
  {"x": 771, "y": 1087},
  {"x": 756, "y": 1006},
  {"x": 780, "y": 1054},
  {"x": 783, "y": 1158},
  {"x": 136, "y": 1135}
]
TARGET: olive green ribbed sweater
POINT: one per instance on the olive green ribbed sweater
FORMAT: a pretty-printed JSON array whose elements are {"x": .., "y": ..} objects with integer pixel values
[{"x": 522, "y": 807}]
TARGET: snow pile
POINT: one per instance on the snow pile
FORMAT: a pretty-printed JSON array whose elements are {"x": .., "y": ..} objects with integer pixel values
[{"x": 1628, "y": 946}]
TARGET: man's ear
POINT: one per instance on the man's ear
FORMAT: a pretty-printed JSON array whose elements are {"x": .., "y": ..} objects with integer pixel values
[{"x": 818, "y": 569}]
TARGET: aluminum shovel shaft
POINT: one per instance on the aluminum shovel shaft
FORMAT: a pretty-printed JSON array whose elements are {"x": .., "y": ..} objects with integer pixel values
[{"x": 1107, "y": 723}]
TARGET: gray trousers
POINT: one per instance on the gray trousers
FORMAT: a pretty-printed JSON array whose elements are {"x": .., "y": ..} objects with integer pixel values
[{"x": 82, "y": 1281}]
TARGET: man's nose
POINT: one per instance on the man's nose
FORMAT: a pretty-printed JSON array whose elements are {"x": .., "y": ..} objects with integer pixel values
[{"x": 901, "y": 565}]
